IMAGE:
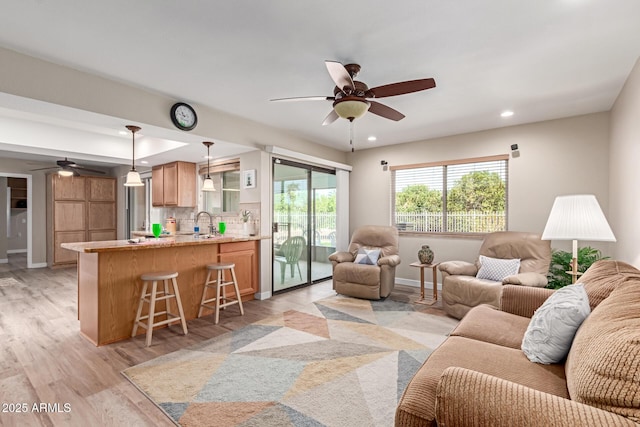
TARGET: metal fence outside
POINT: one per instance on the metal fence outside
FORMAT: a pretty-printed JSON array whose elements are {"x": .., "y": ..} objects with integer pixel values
[{"x": 456, "y": 222}]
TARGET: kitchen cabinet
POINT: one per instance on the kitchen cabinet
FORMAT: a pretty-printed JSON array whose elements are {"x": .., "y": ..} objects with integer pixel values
[
  {"x": 79, "y": 209},
  {"x": 174, "y": 184},
  {"x": 245, "y": 257}
]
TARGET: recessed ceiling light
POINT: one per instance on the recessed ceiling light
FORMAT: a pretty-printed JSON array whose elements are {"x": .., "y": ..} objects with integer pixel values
[
  {"x": 123, "y": 132},
  {"x": 506, "y": 113},
  {"x": 372, "y": 138},
  {"x": 144, "y": 162}
]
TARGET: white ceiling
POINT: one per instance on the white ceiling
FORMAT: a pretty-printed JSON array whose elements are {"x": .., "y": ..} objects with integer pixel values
[{"x": 542, "y": 59}]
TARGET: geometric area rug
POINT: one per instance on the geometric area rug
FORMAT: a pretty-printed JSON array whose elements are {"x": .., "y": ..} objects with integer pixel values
[{"x": 337, "y": 362}]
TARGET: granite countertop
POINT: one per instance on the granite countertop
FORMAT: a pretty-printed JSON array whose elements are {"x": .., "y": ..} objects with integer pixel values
[{"x": 172, "y": 241}]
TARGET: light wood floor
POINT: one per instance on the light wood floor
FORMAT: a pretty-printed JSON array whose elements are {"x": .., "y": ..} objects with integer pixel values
[{"x": 43, "y": 359}]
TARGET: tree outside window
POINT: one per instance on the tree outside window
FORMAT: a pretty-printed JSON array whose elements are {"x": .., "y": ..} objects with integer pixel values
[{"x": 451, "y": 197}]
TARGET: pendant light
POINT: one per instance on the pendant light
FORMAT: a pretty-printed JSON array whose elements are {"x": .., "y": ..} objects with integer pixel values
[
  {"x": 207, "y": 185},
  {"x": 133, "y": 177}
]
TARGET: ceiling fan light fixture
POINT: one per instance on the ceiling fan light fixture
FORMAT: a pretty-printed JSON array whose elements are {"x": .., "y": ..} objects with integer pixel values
[
  {"x": 64, "y": 172},
  {"x": 351, "y": 109},
  {"x": 207, "y": 184}
]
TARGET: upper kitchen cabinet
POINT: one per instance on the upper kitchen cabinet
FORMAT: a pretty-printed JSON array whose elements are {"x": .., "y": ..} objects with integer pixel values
[{"x": 174, "y": 184}]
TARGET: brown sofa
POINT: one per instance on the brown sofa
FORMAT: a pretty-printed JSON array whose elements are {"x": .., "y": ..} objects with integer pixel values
[
  {"x": 367, "y": 281},
  {"x": 462, "y": 290},
  {"x": 480, "y": 377}
]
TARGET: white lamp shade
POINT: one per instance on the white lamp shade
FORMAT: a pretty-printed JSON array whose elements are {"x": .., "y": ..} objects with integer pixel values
[
  {"x": 577, "y": 217},
  {"x": 133, "y": 179},
  {"x": 207, "y": 185},
  {"x": 351, "y": 109}
]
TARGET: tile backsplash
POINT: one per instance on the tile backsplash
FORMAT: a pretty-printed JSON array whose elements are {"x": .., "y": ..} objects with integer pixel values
[{"x": 185, "y": 219}]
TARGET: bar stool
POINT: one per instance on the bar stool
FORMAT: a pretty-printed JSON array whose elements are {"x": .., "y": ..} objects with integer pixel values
[
  {"x": 158, "y": 295},
  {"x": 218, "y": 284}
]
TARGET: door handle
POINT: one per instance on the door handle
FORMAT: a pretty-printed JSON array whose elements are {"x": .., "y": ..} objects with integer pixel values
[{"x": 274, "y": 227}]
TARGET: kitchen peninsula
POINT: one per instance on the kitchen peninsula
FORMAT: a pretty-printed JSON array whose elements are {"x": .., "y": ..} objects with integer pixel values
[{"x": 109, "y": 284}]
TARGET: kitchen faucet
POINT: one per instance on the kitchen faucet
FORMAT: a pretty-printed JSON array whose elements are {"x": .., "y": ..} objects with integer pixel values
[{"x": 212, "y": 228}]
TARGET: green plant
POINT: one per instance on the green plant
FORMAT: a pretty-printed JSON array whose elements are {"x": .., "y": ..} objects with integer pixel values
[{"x": 561, "y": 263}]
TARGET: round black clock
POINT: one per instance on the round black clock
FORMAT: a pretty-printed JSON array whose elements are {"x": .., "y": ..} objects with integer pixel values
[{"x": 183, "y": 116}]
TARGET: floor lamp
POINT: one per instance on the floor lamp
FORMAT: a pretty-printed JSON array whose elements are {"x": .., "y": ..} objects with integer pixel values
[{"x": 577, "y": 217}]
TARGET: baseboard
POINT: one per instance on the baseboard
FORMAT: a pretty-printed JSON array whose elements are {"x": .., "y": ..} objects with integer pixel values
[
  {"x": 17, "y": 251},
  {"x": 416, "y": 283},
  {"x": 262, "y": 295},
  {"x": 38, "y": 265},
  {"x": 4, "y": 261}
]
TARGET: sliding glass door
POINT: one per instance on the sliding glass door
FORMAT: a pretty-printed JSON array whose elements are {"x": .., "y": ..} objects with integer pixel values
[{"x": 304, "y": 221}]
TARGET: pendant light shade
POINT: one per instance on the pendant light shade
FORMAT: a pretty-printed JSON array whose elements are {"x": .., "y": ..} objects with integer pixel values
[
  {"x": 207, "y": 185},
  {"x": 133, "y": 177}
]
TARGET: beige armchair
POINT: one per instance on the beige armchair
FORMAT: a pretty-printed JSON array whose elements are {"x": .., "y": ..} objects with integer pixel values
[
  {"x": 462, "y": 290},
  {"x": 362, "y": 280}
]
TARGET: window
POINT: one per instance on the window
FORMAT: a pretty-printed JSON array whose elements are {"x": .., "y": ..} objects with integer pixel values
[
  {"x": 226, "y": 180},
  {"x": 462, "y": 196}
]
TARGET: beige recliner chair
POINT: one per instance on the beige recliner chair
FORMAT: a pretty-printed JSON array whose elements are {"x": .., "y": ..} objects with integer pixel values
[
  {"x": 363, "y": 280},
  {"x": 462, "y": 290}
]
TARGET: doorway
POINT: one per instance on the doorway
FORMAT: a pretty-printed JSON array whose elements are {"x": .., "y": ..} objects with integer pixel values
[
  {"x": 15, "y": 240},
  {"x": 304, "y": 224}
]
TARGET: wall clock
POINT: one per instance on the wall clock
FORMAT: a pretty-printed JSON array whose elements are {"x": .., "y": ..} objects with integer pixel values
[{"x": 183, "y": 116}]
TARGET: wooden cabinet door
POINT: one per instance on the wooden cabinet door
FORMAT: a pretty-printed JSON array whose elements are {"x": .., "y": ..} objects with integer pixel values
[
  {"x": 186, "y": 184},
  {"x": 157, "y": 186},
  {"x": 245, "y": 257},
  {"x": 97, "y": 236},
  {"x": 171, "y": 184},
  {"x": 68, "y": 216},
  {"x": 102, "y": 215},
  {"x": 68, "y": 187},
  {"x": 63, "y": 256},
  {"x": 101, "y": 189}
]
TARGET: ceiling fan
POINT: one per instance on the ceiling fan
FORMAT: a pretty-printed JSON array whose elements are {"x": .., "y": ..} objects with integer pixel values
[
  {"x": 68, "y": 168},
  {"x": 353, "y": 98}
]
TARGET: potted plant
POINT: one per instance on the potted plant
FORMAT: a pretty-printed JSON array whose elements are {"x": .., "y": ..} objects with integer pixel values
[
  {"x": 561, "y": 263},
  {"x": 245, "y": 215}
]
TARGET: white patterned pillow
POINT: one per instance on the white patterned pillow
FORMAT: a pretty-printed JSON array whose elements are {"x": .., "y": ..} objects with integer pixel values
[
  {"x": 367, "y": 256},
  {"x": 497, "y": 269},
  {"x": 550, "y": 333}
]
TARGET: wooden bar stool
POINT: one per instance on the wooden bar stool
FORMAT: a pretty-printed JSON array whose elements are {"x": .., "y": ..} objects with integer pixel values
[
  {"x": 218, "y": 284},
  {"x": 158, "y": 295}
]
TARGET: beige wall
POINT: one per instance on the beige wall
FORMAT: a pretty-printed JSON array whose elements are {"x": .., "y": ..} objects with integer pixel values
[
  {"x": 566, "y": 156},
  {"x": 624, "y": 157},
  {"x": 4, "y": 242}
]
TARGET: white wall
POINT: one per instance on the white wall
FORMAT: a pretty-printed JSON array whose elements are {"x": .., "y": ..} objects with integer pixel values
[
  {"x": 624, "y": 156},
  {"x": 565, "y": 156}
]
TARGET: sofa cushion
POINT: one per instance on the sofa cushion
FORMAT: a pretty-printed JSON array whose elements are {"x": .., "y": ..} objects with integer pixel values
[
  {"x": 417, "y": 406},
  {"x": 497, "y": 269},
  {"x": 367, "y": 256},
  {"x": 461, "y": 293},
  {"x": 488, "y": 324},
  {"x": 603, "y": 366},
  {"x": 550, "y": 333},
  {"x": 604, "y": 276}
]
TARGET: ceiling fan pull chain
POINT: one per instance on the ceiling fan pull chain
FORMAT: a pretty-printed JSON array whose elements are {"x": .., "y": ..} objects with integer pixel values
[{"x": 351, "y": 135}]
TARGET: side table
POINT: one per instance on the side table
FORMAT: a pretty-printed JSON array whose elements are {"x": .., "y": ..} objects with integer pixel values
[{"x": 434, "y": 269}]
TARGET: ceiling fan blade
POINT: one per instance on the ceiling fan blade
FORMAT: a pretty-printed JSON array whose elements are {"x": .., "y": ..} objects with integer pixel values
[
  {"x": 305, "y": 98},
  {"x": 401, "y": 88},
  {"x": 340, "y": 75},
  {"x": 82, "y": 168},
  {"x": 331, "y": 117},
  {"x": 43, "y": 169},
  {"x": 384, "y": 111}
]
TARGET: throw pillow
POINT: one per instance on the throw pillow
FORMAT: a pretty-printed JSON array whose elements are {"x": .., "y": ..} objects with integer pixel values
[
  {"x": 367, "y": 256},
  {"x": 497, "y": 269},
  {"x": 550, "y": 333}
]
